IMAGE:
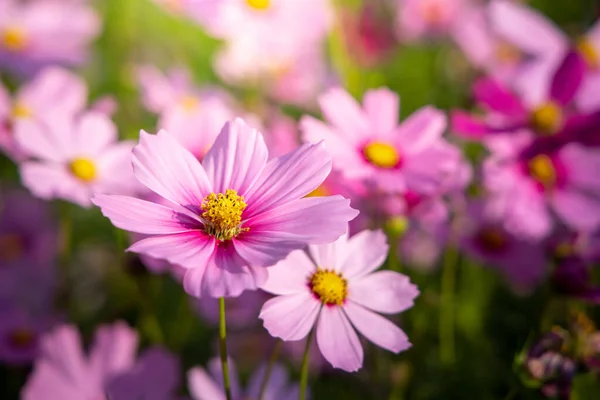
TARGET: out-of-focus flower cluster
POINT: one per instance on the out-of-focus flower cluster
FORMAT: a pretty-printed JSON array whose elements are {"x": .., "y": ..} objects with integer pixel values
[{"x": 290, "y": 192}]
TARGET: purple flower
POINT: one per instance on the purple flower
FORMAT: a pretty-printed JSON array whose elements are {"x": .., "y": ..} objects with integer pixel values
[{"x": 19, "y": 335}]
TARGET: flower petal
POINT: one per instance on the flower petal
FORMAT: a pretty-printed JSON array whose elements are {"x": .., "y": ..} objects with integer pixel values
[
  {"x": 568, "y": 78},
  {"x": 288, "y": 178},
  {"x": 168, "y": 169},
  {"x": 421, "y": 129},
  {"x": 343, "y": 151},
  {"x": 330, "y": 255},
  {"x": 382, "y": 107},
  {"x": 577, "y": 209},
  {"x": 49, "y": 181},
  {"x": 376, "y": 328},
  {"x": 383, "y": 291},
  {"x": 290, "y": 275},
  {"x": 142, "y": 216},
  {"x": 343, "y": 112},
  {"x": 498, "y": 98},
  {"x": 290, "y": 317},
  {"x": 276, "y": 384},
  {"x": 467, "y": 126},
  {"x": 202, "y": 386},
  {"x": 37, "y": 141},
  {"x": 364, "y": 252},
  {"x": 95, "y": 132},
  {"x": 236, "y": 158},
  {"x": 582, "y": 164},
  {"x": 338, "y": 341},
  {"x": 190, "y": 249},
  {"x": 114, "y": 349}
]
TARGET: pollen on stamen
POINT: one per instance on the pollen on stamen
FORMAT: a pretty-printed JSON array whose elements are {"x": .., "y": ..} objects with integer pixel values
[
  {"x": 259, "y": 4},
  {"x": 542, "y": 169},
  {"x": 83, "y": 169},
  {"x": 222, "y": 214},
  {"x": 13, "y": 39},
  {"x": 589, "y": 53},
  {"x": 381, "y": 154},
  {"x": 20, "y": 110},
  {"x": 547, "y": 119},
  {"x": 329, "y": 287}
]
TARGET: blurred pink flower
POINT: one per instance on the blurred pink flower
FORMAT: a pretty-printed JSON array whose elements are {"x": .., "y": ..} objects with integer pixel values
[
  {"x": 194, "y": 116},
  {"x": 368, "y": 143},
  {"x": 427, "y": 18},
  {"x": 525, "y": 189},
  {"x": 63, "y": 372},
  {"x": 74, "y": 158},
  {"x": 37, "y": 33},
  {"x": 19, "y": 335},
  {"x": 51, "y": 92},
  {"x": 205, "y": 385},
  {"x": 334, "y": 289},
  {"x": 483, "y": 236},
  {"x": 232, "y": 215}
]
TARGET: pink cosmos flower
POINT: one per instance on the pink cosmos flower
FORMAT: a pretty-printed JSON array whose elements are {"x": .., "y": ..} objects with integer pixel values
[
  {"x": 368, "y": 144},
  {"x": 526, "y": 189},
  {"x": 232, "y": 215},
  {"x": 52, "y": 91},
  {"x": 420, "y": 18},
  {"x": 205, "y": 385},
  {"x": 64, "y": 372},
  {"x": 335, "y": 288},
  {"x": 521, "y": 259},
  {"x": 74, "y": 158},
  {"x": 37, "y": 33}
]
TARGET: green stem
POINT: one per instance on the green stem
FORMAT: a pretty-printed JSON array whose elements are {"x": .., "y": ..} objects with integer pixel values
[
  {"x": 304, "y": 370},
  {"x": 223, "y": 348},
  {"x": 446, "y": 320},
  {"x": 272, "y": 359}
]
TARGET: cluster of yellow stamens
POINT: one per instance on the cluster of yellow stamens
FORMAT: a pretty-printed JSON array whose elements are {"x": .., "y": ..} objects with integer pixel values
[
  {"x": 84, "y": 169},
  {"x": 381, "y": 154},
  {"x": 329, "y": 287},
  {"x": 20, "y": 110},
  {"x": 13, "y": 39},
  {"x": 589, "y": 53},
  {"x": 189, "y": 103},
  {"x": 541, "y": 168},
  {"x": 547, "y": 118},
  {"x": 259, "y": 4},
  {"x": 223, "y": 214}
]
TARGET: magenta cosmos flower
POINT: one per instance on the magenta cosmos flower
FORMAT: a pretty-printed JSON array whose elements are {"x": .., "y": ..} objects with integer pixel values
[
  {"x": 232, "y": 215},
  {"x": 37, "y": 33},
  {"x": 205, "y": 385},
  {"x": 368, "y": 144},
  {"x": 74, "y": 158},
  {"x": 527, "y": 188},
  {"x": 52, "y": 91},
  {"x": 110, "y": 370},
  {"x": 334, "y": 287}
]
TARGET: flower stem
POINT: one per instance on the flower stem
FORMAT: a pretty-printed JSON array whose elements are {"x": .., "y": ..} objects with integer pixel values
[
  {"x": 272, "y": 359},
  {"x": 223, "y": 348},
  {"x": 304, "y": 370},
  {"x": 446, "y": 321}
]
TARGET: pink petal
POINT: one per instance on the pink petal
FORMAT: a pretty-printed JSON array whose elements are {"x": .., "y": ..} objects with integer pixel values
[
  {"x": 526, "y": 28},
  {"x": 290, "y": 317},
  {"x": 168, "y": 169},
  {"x": 376, "y": 328},
  {"x": 312, "y": 220},
  {"x": 290, "y": 275},
  {"x": 231, "y": 281},
  {"x": 568, "y": 78},
  {"x": 577, "y": 209},
  {"x": 421, "y": 129},
  {"x": 288, "y": 178},
  {"x": 115, "y": 170},
  {"x": 587, "y": 99},
  {"x": 582, "y": 165},
  {"x": 464, "y": 125},
  {"x": 114, "y": 349},
  {"x": 142, "y": 216},
  {"x": 497, "y": 97},
  {"x": 276, "y": 385},
  {"x": 37, "y": 141},
  {"x": 330, "y": 255},
  {"x": 263, "y": 251},
  {"x": 203, "y": 387},
  {"x": 190, "y": 249},
  {"x": 338, "y": 341},
  {"x": 343, "y": 112},
  {"x": 384, "y": 291},
  {"x": 236, "y": 158},
  {"x": 53, "y": 181},
  {"x": 364, "y": 252},
  {"x": 381, "y": 107},
  {"x": 95, "y": 132}
]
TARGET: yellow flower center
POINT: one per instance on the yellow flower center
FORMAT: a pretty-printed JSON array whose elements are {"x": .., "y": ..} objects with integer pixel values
[
  {"x": 259, "y": 4},
  {"x": 589, "y": 53},
  {"x": 564, "y": 250},
  {"x": 321, "y": 191},
  {"x": 542, "y": 170},
  {"x": 381, "y": 154},
  {"x": 21, "y": 338},
  {"x": 189, "y": 103},
  {"x": 20, "y": 110},
  {"x": 13, "y": 39},
  {"x": 11, "y": 247},
  {"x": 223, "y": 214},
  {"x": 84, "y": 169},
  {"x": 507, "y": 53},
  {"x": 547, "y": 118},
  {"x": 329, "y": 287}
]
